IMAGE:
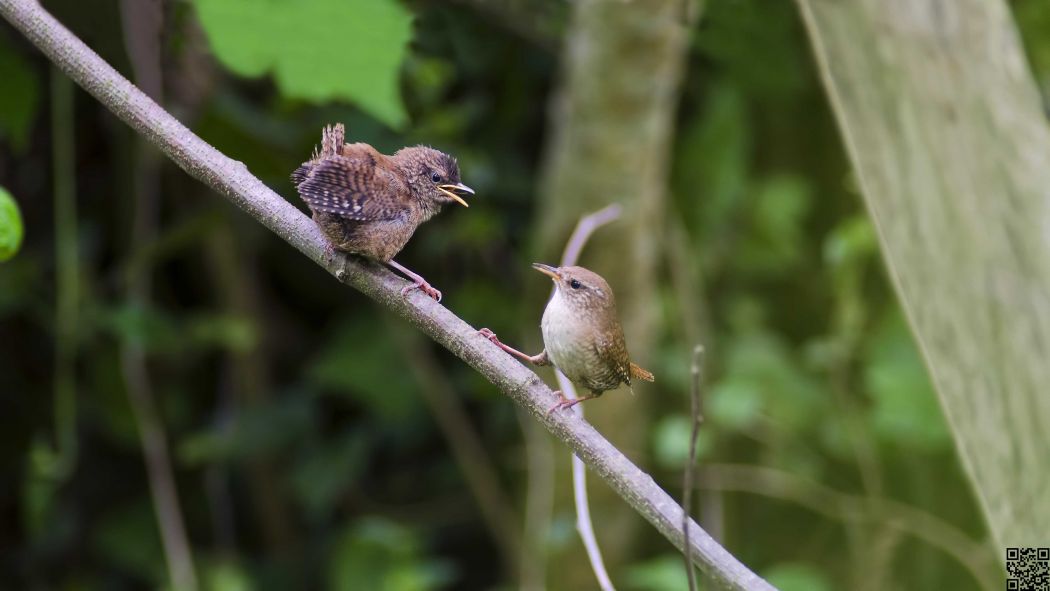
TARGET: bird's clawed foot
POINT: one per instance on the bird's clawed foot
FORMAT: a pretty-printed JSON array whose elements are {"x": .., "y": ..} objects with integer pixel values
[
  {"x": 329, "y": 252},
  {"x": 540, "y": 359},
  {"x": 491, "y": 336},
  {"x": 563, "y": 402},
  {"x": 423, "y": 286},
  {"x": 417, "y": 281}
]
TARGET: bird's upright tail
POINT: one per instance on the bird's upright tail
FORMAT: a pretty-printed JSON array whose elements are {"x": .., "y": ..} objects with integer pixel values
[
  {"x": 641, "y": 373},
  {"x": 332, "y": 139}
]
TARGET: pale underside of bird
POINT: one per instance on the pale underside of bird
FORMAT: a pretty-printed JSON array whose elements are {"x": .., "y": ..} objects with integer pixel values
[{"x": 582, "y": 334}]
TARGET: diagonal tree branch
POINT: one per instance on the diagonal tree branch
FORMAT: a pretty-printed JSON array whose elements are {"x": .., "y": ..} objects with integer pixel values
[{"x": 232, "y": 179}]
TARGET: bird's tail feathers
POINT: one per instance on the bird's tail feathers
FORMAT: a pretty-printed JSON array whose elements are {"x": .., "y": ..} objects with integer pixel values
[
  {"x": 332, "y": 139},
  {"x": 300, "y": 174},
  {"x": 641, "y": 373}
]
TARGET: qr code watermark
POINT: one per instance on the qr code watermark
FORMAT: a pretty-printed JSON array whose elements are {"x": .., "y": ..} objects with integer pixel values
[{"x": 1028, "y": 569}]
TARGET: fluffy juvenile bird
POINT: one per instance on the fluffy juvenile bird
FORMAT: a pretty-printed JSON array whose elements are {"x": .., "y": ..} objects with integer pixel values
[
  {"x": 370, "y": 204},
  {"x": 582, "y": 335}
]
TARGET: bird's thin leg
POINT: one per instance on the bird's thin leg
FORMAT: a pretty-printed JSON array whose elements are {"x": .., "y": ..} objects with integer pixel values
[
  {"x": 419, "y": 283},
  {"x": 566, "y": 403},
  {"x": 538, "y": 359}
]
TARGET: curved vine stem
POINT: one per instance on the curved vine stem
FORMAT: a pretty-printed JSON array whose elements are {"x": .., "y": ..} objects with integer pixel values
[{"x": 586, "y": 226}]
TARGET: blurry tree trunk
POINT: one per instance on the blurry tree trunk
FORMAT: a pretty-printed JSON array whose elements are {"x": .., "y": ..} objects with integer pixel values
[
  {"x": 610, "y": 141},
  {"x": 943, "y": 124}
]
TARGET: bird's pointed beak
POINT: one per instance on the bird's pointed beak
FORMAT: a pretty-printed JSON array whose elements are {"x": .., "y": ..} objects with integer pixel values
[
  {"x": 547, "y": 270},
  {"x": 454, "y": 192}
]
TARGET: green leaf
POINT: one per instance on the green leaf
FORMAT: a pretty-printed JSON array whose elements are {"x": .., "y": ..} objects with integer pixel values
[
  {"x": 322, "y": 479},
  {"x": 839, "y": 440},
  {"x": 317, "y": 50},
  {"x": 257, "y": 431},
  {"x": 22, "y": 280},
  {"x": 735, "y": 403},
  {"x": 711, "y": 169},
  {"x": 1033, "y": 19},
  {"x": 778, "y": 214},
  {"x": 762, "y": 375},
  {"x": 158, "y": 330},
  {"x": 145, "y": 326},
  {"x": 10, "y": 224},
  {"x": 663, "y": 573},
  {"x": 755, "y": 46},
  {"x": 18, "y": 100},
  {"x": 380, "y": 555},
  {"x": 360, "y": 360},
  {"x": 227, "y": 576},
  {"x": 127, "y": 538},
  {"x": 228, "y": 331},
  {"x": 850, "y": 241},
  {"x": 797, "y": 577},
  {"x": 906, "y": 408},
  {"x": 39, "y": 486},
  {"x": 671, "y": 441}
]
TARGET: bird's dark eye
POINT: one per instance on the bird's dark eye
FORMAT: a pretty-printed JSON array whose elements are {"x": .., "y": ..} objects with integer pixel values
[
  {"x": 575, "y": 284},
  {"x": 436, "y": 177}
]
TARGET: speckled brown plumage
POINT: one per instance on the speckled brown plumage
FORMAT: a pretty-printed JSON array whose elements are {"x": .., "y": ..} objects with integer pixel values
[
  {"x": 582, "y": 334},
  {"x": 370, "y": 204}
]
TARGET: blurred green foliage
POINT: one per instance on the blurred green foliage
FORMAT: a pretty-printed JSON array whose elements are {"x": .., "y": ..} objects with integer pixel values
[
  {"x": 377, "y": 554},
  {"x": 664, "y": 573},
  {"x": 305, "y": 455},
  {"x": 797, "y": 577},
  {"x": 19, "y": 99},
  {"x": 1033, "y": 18},
  {"x": 10, "y": 226}
]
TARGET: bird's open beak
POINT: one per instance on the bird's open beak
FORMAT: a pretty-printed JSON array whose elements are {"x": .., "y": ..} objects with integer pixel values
[
  {"x": 548, "y": 270},
  {"x": 454, "y": 191}
]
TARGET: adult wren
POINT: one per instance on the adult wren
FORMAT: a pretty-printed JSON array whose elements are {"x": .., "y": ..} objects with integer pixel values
[
  {"x": 582, "y": 335},
  {"x": 370, "y": 204}
]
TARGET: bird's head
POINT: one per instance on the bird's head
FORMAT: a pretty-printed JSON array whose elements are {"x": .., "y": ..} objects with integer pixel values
[
  {"x": 580, "y": 288},
  {"x": 433, "y": 176}
]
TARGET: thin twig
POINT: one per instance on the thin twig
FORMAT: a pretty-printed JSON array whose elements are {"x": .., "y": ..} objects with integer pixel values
[
  {"x": 586, "y": 226},
  {"x": 232, "y": 179},
  {"x": 142, "y": 24},
  {"x": 687, "y": 487},
  {"x": 579, "y": 493},
  {"x": 687, "y": 280},
  {"x": 158, "y": 468}
]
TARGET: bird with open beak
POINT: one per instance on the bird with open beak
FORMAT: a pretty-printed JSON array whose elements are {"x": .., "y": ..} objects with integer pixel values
[
  {"x": 582, "y": 335},
  {"x": 369, "y": 204}
]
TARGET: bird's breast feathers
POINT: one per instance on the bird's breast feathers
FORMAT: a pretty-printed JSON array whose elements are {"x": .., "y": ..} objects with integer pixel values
[{"x": 575, "y": 348}]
